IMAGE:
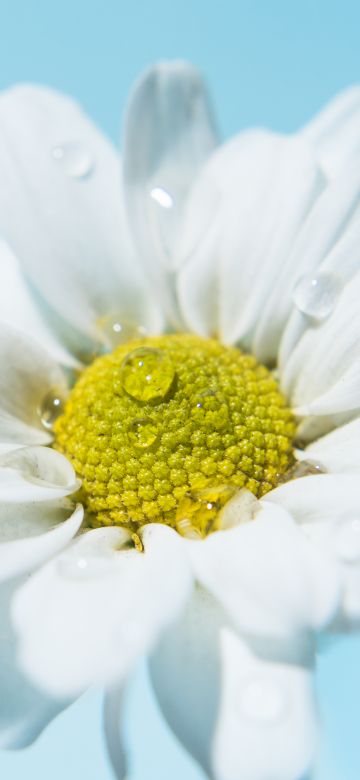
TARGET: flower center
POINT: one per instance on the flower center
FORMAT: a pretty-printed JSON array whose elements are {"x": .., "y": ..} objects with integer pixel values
[{"x": 167, "y": 428}]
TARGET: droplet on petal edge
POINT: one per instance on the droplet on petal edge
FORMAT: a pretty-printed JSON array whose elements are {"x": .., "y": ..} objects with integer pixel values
[
  {"x": 147, "y": 375},
  {"x": 50, "y": 409},
  {"x": 263, "y": 701},
  {"x": 198, "y": 511},
  {"x": 316, "y": 296},
  {"x": 74, "y": 159},
  {"x": 302, "y": 468},
  {"x": 115, "y": 330}
]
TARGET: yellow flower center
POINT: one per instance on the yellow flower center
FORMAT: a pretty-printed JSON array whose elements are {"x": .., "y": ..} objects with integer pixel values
[{"x": 167, "y": 428}]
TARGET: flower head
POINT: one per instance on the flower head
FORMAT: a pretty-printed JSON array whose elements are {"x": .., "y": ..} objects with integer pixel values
[{"x": 180, "y": 356}]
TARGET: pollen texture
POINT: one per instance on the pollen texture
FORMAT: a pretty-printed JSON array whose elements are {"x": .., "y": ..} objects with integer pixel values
[{"x": 165, "y": 427}]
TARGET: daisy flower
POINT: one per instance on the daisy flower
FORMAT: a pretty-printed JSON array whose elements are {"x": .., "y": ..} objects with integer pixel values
[{"x": 179, "y": 417}]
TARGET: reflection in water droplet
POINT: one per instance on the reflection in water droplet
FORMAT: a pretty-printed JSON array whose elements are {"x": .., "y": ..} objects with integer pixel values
[
  {"x": 50, "y": 409},
  {"x": 263, "y": 700},
  {"x": 143, "y": 432},
  {"x": 162, "y": 197},
  {"x": 317, "y": 296},
  {"x": 347, "y": 541},
  {"x": 198, "y": 511},
  {"x": 74, "y": 159},
  {"x": 147, "y": 375},
  {"x": 117, "y": 330}
]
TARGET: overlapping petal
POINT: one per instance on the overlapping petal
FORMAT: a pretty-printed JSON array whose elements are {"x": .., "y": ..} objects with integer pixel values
[
  {"x": 99, "y": 606},
  {"x": 335, "y": 131},
  {"x": 60, "y": 180}
]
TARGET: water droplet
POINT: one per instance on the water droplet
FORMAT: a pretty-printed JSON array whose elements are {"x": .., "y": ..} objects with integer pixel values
[
  {"x": 162, "y": 197},
  {"x": 316, "y": 296},
  {"x": 263, "y": 700},
  {"x": 199, "y": 509},
  {"x": 347, "y": 540},
  {"x": 50, "y": 409},
  {"x": 79, "y": 566},
  {"x": 74, "y": 159},
  {"x": 147, "y": 375},
  {"x": 143, "y": 432},
  {"x": 207, "y": 399},
  {"x": 117, "y": 330},
  {"x": 302, "y": 468}
]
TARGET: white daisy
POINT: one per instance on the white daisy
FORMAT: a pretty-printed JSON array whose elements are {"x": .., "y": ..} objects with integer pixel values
[{"x": 203, "y": 544}]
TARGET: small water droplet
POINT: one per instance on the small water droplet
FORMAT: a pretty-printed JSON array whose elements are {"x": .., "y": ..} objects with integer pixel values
[
  {"x": 205, "y": 399},
  {"x": 263, "y": 700},
  {"x": 162, "y": 197},
  {"x": 199, "y": 509},
  {"x": 147, "y": 375},
  {"x": 302, "y": 468},
  {"x": 347, "y": 541},
  {"x": 50, "y": 409},
  {"x": 143, "y": 432},
  {"x": 74, "y": 159},
  {"x": 117, "y": 330},
  {"x": 79, "y": 566},
  {"x": 317, "y": 296}
]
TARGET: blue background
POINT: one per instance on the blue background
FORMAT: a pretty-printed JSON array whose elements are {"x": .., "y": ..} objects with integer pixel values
[{"x": 270, "y": 63}]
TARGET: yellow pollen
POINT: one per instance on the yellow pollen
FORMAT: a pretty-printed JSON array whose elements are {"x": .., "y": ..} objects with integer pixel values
[{"x": 167, "y": 429}]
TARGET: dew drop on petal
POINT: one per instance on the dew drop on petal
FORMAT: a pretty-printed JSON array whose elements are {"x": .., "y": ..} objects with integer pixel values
[
  {"x": 147, "y": 375},
  {"x": 74, "y": 159},
  {"x": 143, "y": 432},
  {"x": 50, "y": 409},
  {"x": 116, "y": 330},
  {"x": 74, "y": 565},
  {"x": 347, "y": 541},
  {"x": 199, "y": 510},
  {"x": 263, "y": 701},
  {"x": 317, "y": 295}
]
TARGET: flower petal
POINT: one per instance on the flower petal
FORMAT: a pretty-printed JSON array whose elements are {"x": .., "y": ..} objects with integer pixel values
[
  {"x": 32, "y": 534},
  {"x": 18, "y": 309},
  {"x": 61, "y": 209},
  {"x": 339, "y": 451},
  {"x": 335, "y": 131},
  {"x": 321, "y": 377},
  {"x": 99, "y": 606},
  {"x": 267, "y": 576},
  {"x": 239, "y": 713},
  {"x": 35, "y": 474},
  {"x": 264, "y": 186},
  {"x": 27, "y": 375},
  {"x": 24, "y": 710},
  {"x": 169, "y": 132},
  {"x": 328, "y": 508},
  {"x": 113, "y": 707}
]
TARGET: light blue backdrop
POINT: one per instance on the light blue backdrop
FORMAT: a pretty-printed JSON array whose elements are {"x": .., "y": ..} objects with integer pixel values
[{"x": 269, "y": 62}]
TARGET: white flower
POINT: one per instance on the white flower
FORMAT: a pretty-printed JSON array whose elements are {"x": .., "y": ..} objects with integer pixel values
[{"x": 256, "y": 240}]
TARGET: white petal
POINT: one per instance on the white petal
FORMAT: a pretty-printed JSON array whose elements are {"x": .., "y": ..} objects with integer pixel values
[
  {"x": 321, "y": 377},
  {"x": 328, "y": 508},
  {"x": 339, "y": 451},
  {"x": 18, "y": 309},
  {"x": 327, "y": 243},
  {"x": 24, "y": 710},
  {"x": 264, "y": 186},
  {"x": 268, "y": 576},
  {"x": 61, "y": 209},
  {"x": 99, "y": 607},
  {"x": 169, "y": 132},
  {"x": 239, "y": 713},
  {"x": 31, "y": 534},
  {"x": 27, "y": 375},
  {"x": 335, "y": 131},
  {"x": 35, "y": 474},
  {"x": 113, "y": 716}
]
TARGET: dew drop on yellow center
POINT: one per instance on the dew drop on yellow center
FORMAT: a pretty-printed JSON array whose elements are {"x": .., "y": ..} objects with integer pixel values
[{"x": 168, "y": 428}]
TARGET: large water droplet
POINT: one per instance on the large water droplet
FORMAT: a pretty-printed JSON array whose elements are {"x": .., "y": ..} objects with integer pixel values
[
  {"x": 147, "y": 375},
  {"x": 263, "y": 700},
  {"x": 317, "y": 296},
  {"x": 347, "y": 541},
  {"x": 74, "y": 159},
  {"x": 143, "y": 432},
  {"x": 198, "y": 510},
  {"x": 51, "y": 408},
  {"x": 117, "y": 330}
]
